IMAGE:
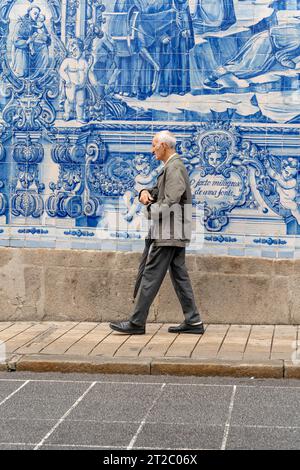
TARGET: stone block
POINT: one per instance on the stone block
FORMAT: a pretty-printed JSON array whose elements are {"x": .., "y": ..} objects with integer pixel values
[
  {"x": 233, "y": 265},
  {"x": 231, "y": 299},
  {"x": 292, "y": 297}
]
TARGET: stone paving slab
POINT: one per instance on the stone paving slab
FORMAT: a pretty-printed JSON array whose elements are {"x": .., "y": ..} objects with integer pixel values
[
  {"x": 5, "y": 324},
  {"x": 21, "y": 339},
  {"x": 284, "y": 341},
  {"x": 135, "y": 344},
  {"x": 211, "y": 342},
  {"x": 232, "y": 350},
  {"x": 64, "y": 342},
  {"x": 236, "y": 340},
  {"x": 183, "y": 345},
  {"x": 14, "y": 329},
  {"x": 54, "y": 331},
  {"x": 110, "y": 345},
  {"x": 87, "y": 343},
  {"x": 159, "y": 344},
  {"x": 259, "y": 342}
]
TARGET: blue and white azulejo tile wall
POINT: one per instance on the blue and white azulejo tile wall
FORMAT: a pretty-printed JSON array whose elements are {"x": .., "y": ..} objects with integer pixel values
[{"x": 84, "y": 85}]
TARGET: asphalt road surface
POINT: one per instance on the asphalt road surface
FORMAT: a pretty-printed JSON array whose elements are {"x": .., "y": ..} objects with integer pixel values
[{"x": 83, "y": 411}]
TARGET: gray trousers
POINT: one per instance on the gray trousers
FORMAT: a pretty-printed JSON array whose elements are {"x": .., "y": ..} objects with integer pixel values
[{"x": 161, "y": 259}]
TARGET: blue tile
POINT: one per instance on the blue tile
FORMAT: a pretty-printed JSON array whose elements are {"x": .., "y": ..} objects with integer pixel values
[
  {"x": 268, "y": 254},
  {"x": 47, "y": 243},
  {"x": 286, "y": 254},
  {"x": 32, "y": 243},
  {"x": 253, "y": 252},
  {"x": 108, "y": 245},
  {"x": 14, "y": 242},
  {"x": 236, "y": 251}
]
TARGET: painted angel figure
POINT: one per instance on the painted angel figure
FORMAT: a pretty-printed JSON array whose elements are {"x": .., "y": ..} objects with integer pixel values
[
  {"x": 145, "y": 176},
  {"x": 286, "y": 184},
  {"x": 76, "y": 75}
]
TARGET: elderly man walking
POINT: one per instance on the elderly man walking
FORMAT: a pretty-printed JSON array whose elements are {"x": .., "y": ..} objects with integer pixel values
[{"x": 170, "y": 231}]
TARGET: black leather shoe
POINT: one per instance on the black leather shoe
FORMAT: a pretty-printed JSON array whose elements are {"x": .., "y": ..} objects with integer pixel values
[
  {"x": 187, "y": 328},
  {"x": 127, "y": 327}
]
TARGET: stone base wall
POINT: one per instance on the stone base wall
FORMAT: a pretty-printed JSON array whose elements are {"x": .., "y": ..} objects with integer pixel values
[{"x": 45, "y": 284}]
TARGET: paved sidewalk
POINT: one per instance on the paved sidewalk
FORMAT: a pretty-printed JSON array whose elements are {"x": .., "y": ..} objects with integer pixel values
[{"x": 228, "y": 350}]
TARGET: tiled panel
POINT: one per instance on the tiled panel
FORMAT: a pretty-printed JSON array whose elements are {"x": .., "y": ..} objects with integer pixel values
[{"x": 84, "y": 87}]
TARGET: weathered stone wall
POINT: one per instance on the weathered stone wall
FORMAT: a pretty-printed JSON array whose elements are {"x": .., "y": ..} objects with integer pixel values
[{"x": 46, "y": 284}]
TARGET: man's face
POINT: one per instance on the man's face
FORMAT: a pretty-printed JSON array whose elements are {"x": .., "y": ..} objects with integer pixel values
[
  {"x": 158, "y": 149},
  {"x": 34, "y": 14}
]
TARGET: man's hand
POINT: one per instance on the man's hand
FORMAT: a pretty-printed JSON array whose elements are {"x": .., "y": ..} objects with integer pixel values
[{"x": 145, "y": 197}]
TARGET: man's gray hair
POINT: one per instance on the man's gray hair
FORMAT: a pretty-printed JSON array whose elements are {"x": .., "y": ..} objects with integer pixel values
[{"x": 166, "y": 137}]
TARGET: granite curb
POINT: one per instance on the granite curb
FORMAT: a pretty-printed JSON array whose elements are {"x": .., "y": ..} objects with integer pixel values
[{"x": 152, "y": 366}]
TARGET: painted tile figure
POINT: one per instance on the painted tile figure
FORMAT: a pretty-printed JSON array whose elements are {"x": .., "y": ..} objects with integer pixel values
[
  {"x": 39, "y": 47},
  {"x": 74, "y": 72},
  {"x": 145, "y": 176},
  {"x": 214, "y": 15},
  {"x": 174, "y": 39},
  {"x": 280, "y": 44},
  {"x": 104, "y": 67},
  {"x": 215, "y": 156},
  {"x": 137, "y": 58},
  {"x": 182, "y": 44},
  {"x": 30, "y": 45},
  {"x": 161, "y": 49},
  {"x": 154, "y": 57},
  {"x": 286, "y": 185},
  {"x": 124, "y": 57}
]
